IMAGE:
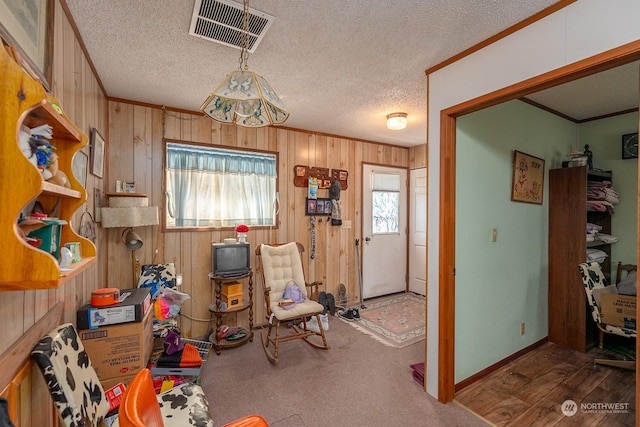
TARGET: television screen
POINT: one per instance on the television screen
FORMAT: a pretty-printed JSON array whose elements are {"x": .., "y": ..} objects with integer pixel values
[{"x": 230, "y": 260}]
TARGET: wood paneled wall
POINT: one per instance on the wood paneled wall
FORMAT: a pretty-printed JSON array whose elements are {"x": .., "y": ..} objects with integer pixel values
[
  {"x": 136, "y": 154},
  {"x": 418, "y": 156},
  {"x": 134, "y": 136},
  {"x": 74, "y": 84}
]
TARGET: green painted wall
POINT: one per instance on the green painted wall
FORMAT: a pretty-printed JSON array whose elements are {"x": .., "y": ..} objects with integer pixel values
[
  {"x": 604, "y": 138},
  {"x": 500, "y": 285}
]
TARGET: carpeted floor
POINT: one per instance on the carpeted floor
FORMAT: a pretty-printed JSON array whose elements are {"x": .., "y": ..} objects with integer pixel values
[
  {"x": 358, "y": 382},
  {"x": 396, "y": 321}
]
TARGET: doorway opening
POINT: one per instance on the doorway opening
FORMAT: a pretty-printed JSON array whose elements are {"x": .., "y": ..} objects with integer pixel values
[{"x": 447, "y": 209}]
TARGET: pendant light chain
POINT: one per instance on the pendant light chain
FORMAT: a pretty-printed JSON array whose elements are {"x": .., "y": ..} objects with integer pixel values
[
  {"x": 244, "y": 55},
  {"x": 244, "y": 98}
]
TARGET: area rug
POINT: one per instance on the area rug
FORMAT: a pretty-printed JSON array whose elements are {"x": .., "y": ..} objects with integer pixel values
[{"x": 396, "y": 321}]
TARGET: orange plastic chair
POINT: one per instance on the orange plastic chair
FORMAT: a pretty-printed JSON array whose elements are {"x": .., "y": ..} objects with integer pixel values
[
  {"x": 139, "y": 406},
  {"x": 248, "y": 421}
]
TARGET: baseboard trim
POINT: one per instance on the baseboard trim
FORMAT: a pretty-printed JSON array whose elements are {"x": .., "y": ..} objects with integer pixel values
[{"x": 488, "y": 370}]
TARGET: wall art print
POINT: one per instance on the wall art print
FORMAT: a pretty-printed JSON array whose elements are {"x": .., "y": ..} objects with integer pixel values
[{"x": 528, "y": 178}]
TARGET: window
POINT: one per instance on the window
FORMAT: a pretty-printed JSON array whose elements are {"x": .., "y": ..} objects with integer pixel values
[
  {"x": 385, "y": 199},
  {"x": 209, "y": 186}
]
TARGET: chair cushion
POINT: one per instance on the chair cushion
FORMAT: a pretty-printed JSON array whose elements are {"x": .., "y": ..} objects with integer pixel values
[
  {"x": 157, "y": 277},
  {"x": 281, "y": 265},
  {"x": 618, "y": 330},
  {"x": 70, "y": 377},
  {"x": 306, "y": 308},
  {"x": 592, "y": 279},
  {"x": 629, "y": 285},
  {"x": 185, "y": 405}
]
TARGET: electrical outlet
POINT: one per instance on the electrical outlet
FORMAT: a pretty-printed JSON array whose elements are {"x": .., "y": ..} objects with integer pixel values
[
  {"x": 494, "y": 234},
  {"x": 346, "y": 224},
  {"x": 522, "y": 328}
]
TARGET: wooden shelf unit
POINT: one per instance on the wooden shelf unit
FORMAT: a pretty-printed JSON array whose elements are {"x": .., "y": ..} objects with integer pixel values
[
  {"x": 570, "y": 322},
  {"x": 24, "y": 101},
  {"x": 214, "y": 308}
]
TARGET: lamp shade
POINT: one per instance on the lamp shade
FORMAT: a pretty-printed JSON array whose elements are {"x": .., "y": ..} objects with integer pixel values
[
  {"x": 397, "y": 121},
  {"x": 133, "y": 240},
  {"x": 129, "y": 212},
  {"x": 245, "y": 98}
]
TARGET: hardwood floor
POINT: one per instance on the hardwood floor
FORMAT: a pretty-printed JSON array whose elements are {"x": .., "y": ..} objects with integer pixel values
[{"x": 530, "y": 390}]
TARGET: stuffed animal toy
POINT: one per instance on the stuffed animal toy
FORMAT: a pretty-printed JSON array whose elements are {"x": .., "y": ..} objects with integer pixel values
[
  {"x": 35, "y": 148},
  {"x": 53, "y": 174},
  {"x": 28, "y": 147}
]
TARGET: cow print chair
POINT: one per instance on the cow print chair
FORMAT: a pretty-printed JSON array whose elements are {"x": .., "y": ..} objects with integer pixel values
[
  {"x": 595, "y": 283},
  {"x": 70, "y": 377},
  {"x": 80, "y": 399},
  {"x": 184, "y": 405}
]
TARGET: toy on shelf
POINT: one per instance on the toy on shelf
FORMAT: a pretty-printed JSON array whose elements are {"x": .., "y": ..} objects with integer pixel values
[
  {"x": 53, "y": 174},
  {"x": 35, "y": 146}
]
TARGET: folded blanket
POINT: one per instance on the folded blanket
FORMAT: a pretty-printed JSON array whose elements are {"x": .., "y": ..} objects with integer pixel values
[
  {"x": 189, "y": 357},
  {"x": 593, "y": 228},
  {"x": 596, "y": 255},
  {"x": 606, "y": 238}
]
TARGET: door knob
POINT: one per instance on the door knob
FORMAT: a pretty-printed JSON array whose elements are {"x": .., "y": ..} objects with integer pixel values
[{"x": 367, "y": 239}]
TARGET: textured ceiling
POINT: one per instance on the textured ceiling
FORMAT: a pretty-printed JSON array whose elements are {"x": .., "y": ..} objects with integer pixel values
[
  {"x": 339, "y": 66},
  {"x": 608, "y": 92}
]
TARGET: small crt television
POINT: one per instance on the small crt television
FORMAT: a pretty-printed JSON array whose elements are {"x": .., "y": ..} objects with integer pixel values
[{"x": 230, "y": 260}]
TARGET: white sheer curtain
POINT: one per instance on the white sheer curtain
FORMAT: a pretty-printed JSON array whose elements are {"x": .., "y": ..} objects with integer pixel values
[{"x": 216, "y": 187}]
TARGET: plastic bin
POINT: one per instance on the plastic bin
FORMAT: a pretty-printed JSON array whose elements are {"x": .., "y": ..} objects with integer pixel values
[{"x": 50, "y": 235}]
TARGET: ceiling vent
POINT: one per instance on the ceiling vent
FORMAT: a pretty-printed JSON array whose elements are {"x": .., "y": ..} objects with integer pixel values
[{"x": 220, "y": 21}]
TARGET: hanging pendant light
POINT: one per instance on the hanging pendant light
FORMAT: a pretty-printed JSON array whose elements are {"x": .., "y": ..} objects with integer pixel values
[{"x": 244, "y": 97}]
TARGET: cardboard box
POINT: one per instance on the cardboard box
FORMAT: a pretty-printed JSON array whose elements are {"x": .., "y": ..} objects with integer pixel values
[
  {"x": 231, "y": 288},
  {"x": 119, "y": 351},
  {"x": 112, "y": 382},
  {"x": 618, "y": 310},
  {"x": 133, "y": 305},
  {"x": 114, "y": 395},
  {"x": 233, "y": 301}
]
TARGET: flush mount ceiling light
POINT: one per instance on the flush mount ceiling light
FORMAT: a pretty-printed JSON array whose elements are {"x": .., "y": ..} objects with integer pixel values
[
  {"x": 397, "y": 121},
  {"x": 244, "y": 97}
]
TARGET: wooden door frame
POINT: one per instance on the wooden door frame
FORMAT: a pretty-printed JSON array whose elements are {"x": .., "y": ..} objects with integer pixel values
[{"x": 447, "y": 223}]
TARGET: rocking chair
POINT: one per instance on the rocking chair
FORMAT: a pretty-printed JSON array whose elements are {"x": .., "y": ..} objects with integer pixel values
[{"x": 280, "y": 266}]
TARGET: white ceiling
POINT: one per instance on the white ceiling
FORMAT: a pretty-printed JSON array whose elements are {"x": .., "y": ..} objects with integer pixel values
[
  {"x": 340, "y": 66},
  {"x": 608, "y": 92}
]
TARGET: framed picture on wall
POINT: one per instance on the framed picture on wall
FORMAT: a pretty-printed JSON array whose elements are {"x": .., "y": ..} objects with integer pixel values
[
  {"x": 80, "y": 165},
  {"x": 319, "y": 206},
  {"x": 97, "y": 153},
  {"x": 630, "y": 146},
  {"x": 97, "y": 204},
  {"x": 528, "y": 178},
  {"x": 27, "y": 26}
]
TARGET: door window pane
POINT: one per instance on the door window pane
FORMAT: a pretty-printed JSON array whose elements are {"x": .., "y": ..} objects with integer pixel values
[{"x": 385, "y": 211}]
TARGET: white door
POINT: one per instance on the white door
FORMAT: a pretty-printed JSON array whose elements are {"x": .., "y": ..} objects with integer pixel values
[
  {"x": 418, "y": 232},
  {"x": 384, "y": 230}
]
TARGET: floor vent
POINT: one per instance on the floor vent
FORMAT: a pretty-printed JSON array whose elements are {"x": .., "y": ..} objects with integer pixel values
[{"x": 220, "y": 21}]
